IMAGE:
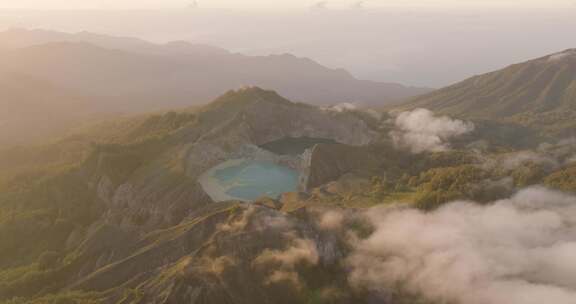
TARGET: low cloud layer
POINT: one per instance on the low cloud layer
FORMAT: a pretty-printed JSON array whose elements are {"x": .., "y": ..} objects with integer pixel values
[
  {"x": 550, "y": 156},
  {"x": 516, "y": 251},
  {"x": 284, "y": 262},
  {"x": 331, "y": 220},
  {"x": 343, "y": 107},
  {"x": 420, "y": 131}
]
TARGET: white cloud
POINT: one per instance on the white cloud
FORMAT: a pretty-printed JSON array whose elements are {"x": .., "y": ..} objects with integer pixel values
[
  {"x": 331, "y": 220},
  {"x": 343, "y": 107},
  {"x": 283, "y": 263},
  {"x": 420, "y": 130}
]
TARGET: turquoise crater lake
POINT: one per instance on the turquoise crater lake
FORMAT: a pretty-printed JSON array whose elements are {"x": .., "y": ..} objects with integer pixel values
[{"x": 247, "y": 180}]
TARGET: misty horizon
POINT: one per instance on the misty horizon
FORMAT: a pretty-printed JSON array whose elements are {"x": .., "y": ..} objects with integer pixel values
[{"x": 414, "y": 46}]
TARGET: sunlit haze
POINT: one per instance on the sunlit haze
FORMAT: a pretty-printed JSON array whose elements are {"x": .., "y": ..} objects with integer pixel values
[{"x": 267, "y": 4}]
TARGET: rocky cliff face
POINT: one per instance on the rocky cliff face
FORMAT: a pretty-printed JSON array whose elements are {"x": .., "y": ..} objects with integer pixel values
[
  {"x": 327, "y": 163},
  {"x": 267, "y": 118}
]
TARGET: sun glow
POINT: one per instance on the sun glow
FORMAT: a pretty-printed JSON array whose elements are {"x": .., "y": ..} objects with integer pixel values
[{"x": 267, "y": 4}]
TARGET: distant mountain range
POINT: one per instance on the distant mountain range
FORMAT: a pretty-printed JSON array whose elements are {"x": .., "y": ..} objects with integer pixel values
[
  {"x": 51, "y": 81},
  {"x": 539, "y": 93},
  {"x": 132, "y": 74},
  {"x": 22, "y": 38}
]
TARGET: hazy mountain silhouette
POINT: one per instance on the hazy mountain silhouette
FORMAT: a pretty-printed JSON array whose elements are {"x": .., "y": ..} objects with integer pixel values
[
  {"x": 20, "y": 38},
  {"x": 133, "y": 74}
]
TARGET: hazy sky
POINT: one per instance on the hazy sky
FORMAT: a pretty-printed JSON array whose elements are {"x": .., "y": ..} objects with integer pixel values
[{"x": 269, "y": 4}]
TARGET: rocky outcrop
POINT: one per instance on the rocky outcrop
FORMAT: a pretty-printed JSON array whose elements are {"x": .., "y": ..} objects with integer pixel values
[{"x": 327, "y": 163}]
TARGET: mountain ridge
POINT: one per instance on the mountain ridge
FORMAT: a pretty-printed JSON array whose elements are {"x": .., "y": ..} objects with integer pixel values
[
  {"x": 20, "y": 38},
  {"x": 539, "y": 93}
]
